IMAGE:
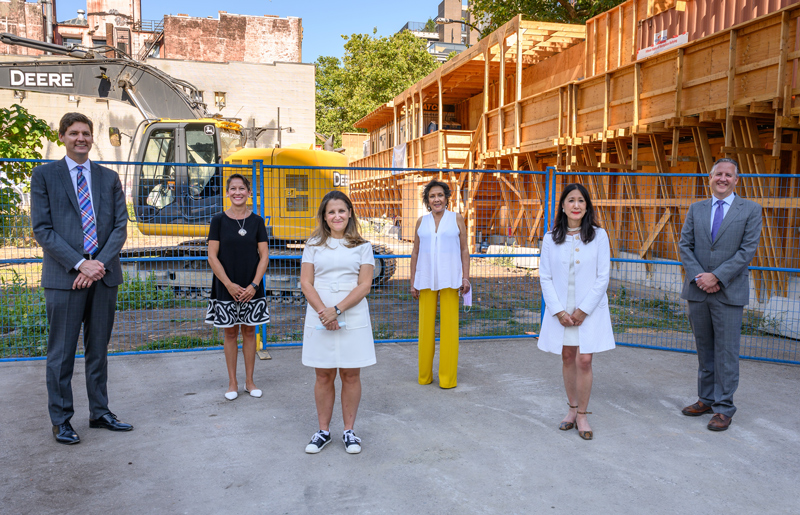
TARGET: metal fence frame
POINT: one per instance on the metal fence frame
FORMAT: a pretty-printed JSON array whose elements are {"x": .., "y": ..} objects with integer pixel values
[{"x": 258, "y": 168}]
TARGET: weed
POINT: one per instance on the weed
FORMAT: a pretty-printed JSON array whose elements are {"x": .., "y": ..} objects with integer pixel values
[
  {"x": 135, "y": 293},
  {"x": 180, "y": 342}
]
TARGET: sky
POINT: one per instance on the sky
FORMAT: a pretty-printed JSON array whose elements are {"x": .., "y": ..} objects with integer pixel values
[{"x": 324, "y": 21}]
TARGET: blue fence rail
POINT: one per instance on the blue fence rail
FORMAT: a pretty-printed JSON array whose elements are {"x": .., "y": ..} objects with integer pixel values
[{"x": 161, "y": 306}]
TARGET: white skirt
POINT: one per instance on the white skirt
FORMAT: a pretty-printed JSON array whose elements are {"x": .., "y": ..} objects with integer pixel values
[{"x": 349, "y": 347}]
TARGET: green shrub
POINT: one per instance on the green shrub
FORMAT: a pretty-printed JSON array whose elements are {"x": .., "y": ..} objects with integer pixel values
[{"x": 136, "y": 293}]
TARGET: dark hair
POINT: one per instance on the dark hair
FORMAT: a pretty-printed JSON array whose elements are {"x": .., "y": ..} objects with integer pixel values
[
  {"x": 323, "y": 232},
  {"x": 588, "y": 223},
  {"x": 237, "y": 176},
  {"x": 68, "y": 119},
  {"x": 429, "y": 187}
]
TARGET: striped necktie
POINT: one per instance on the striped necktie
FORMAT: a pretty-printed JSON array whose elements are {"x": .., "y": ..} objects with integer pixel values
[{"x": 87, "y": 215}]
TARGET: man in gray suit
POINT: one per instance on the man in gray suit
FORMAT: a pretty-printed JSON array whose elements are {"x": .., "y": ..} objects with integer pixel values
[
  {"x": 80, "y": 220},
  {"x": 718, "y": 240}
]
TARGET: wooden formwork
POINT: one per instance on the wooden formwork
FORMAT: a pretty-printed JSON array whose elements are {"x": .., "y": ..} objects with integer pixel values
[{"x": 731, "y": 94}]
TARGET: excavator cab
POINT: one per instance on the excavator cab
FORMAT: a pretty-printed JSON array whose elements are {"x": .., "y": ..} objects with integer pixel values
[{"x": 172, "y": 186}]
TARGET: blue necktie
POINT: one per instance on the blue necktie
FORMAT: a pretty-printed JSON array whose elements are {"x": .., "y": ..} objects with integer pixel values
[
  {"x": 718, "y": 215},
  {"x": 87, "y": 215}
]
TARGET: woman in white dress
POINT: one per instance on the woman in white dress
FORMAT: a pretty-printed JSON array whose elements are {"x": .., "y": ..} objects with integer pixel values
[
  {"x": 574, "y": 272},
  {"x": 336, "y": 276}
]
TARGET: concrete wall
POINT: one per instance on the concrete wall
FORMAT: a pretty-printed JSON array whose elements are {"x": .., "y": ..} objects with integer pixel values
[
  {"x": 23, "y": 19},
  {"x": 233, "y": 37},
  {"x": 254, "y": 92}
]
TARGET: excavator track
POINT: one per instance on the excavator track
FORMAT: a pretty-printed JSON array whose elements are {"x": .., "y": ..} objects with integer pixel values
[{"x": 184, "y": 269}]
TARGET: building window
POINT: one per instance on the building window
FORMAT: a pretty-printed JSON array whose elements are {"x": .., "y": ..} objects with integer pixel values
[
  {"x": 67, "y": 42},
  {"x": 219, "y": 99}
]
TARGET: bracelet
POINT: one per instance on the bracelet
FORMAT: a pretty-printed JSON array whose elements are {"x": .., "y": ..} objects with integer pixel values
[{"x": 561, "y": 315}]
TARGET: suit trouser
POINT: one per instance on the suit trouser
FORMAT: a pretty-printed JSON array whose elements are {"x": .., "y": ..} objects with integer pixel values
[
  {"x": 717, "y": 331},
  {"x": 66, "y": 310},
  {"x": 448, "y": 336}
]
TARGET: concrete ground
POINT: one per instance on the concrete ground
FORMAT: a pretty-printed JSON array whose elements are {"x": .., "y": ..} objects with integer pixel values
[{"x": 489, "y": 446}]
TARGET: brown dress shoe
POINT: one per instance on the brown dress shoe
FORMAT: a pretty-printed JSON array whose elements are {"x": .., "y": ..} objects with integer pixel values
[
  {"x": 696, "y": 409},
  {"x": 719, "y": 422}
]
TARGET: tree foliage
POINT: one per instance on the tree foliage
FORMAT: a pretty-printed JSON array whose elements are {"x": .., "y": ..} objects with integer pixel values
[
  {"x": 493, "y": 13},
  {"x": 372, "y": 72},
  {"x": 21, "y": 135}
]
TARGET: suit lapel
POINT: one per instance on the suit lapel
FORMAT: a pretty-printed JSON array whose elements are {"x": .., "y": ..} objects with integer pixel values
[
  {"x": 63, "y": 172},
  {"x": 733, "y": 213},
  {"x": 97, "y": 176},
  {"x": 705, "y": 216}
]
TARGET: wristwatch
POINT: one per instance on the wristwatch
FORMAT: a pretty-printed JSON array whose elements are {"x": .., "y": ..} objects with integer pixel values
[
  {"x": 338, "y": 311},
  {"x": 255, "y": 286}
]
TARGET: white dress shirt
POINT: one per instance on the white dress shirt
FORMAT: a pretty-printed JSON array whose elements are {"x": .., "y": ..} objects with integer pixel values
[
  {"x": 725, "y": 207},
  {"x": 73, "y": 175}
]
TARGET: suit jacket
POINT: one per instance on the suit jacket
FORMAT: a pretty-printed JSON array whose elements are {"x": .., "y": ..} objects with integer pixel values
[
  {"x": 592, "y": 272},
  {"x": 56, "y": 220},
  {"x": 727, "y": 257}
]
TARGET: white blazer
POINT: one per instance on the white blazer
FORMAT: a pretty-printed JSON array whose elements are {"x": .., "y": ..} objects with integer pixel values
[{"x": 592, "y": 267}]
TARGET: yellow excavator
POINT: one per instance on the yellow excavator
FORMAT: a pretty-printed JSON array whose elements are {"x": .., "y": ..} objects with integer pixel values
[{"x": 174, "y": 191}]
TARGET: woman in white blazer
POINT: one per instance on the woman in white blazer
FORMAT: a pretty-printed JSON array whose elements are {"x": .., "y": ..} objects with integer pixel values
[{"x": 574, "y": 271}]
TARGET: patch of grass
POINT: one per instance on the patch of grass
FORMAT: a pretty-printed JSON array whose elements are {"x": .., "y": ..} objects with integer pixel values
[
  {"x": 23, "y": 315},
  {"x": 758, "y": 324},
  {"x": 483, "y": 313},
  {"x": 15, "y": 228},
  {"x": 135, "y": 293},
  {"x": 383, "y": 332},
  {"x": 180, "y": 342}
]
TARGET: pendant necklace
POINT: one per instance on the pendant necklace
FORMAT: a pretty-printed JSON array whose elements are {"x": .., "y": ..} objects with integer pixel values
[{"x": 242, "y": 230}]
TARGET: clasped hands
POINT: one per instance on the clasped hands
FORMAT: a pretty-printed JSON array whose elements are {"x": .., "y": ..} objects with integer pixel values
[
  {"x": 90, "y": 271},
  {"x": 575, "y": 319},
  {"x": 240, "y": 294},
  {"x": 707, "y": 282},
  {"x": 328, "y": 318}
]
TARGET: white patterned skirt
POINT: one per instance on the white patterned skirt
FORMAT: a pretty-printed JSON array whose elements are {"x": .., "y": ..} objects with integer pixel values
[{"x": 230, "y": 313}]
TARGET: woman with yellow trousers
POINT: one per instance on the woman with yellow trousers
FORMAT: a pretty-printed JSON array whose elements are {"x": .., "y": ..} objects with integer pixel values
[{"x": 439, "y": 271}]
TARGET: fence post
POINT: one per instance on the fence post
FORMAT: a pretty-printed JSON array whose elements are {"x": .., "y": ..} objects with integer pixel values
[{"x": 258, "y": 209}]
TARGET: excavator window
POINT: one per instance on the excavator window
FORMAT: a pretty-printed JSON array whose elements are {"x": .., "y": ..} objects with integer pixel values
[
  {"x": 157, "y": 184},
  {"x": 201, "y": 149}
]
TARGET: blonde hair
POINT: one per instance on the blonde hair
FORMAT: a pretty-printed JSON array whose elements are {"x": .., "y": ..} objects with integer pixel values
[{"x": 322, "y": 232}]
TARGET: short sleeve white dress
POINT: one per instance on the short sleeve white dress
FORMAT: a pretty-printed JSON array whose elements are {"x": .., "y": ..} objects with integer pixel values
[{"x": 336, "y": 269}]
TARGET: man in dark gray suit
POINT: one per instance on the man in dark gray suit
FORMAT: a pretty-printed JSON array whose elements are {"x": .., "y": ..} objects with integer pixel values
[
  {"x": 80, "y": 220},
  {"x": 718, "y": 240}
]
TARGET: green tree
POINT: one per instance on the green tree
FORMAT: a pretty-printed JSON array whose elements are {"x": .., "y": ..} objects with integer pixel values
[
  {"x": 430, "y": 26},
  {"x": 493, "y": 13},
  {"x": 372, "y": 72},
  {"x": 21, "y": 136}
]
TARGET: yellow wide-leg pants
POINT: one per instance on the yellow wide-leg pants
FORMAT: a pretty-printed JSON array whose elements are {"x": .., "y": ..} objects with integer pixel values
[{"x": 448, "y": 336}]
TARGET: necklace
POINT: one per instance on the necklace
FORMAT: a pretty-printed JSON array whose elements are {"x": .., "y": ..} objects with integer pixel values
[{"x": 242, "y": 231}]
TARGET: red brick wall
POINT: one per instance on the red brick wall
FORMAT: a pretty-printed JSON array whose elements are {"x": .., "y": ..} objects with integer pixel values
[
  {"x": 23, "y": 19},
  {"x": 232, "y": 37}
]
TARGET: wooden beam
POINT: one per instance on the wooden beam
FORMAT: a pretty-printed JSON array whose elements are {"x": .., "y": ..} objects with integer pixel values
[
  {"x": 654, "y": 233},
  {"x": 731, "y": 76}
]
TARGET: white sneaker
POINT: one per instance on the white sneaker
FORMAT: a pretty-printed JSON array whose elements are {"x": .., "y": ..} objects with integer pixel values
[
  {"x": 318, "y": 441},
  {"x": 352, "y": 443}
]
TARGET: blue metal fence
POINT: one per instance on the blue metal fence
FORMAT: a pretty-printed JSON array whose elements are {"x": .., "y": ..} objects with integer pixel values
[{"x": 161, "y": 306}]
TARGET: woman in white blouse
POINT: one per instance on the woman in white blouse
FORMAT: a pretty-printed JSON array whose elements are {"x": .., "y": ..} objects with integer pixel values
[
  {"x": 336, "y": 276},
  {"x": 574, "y": 272},
  {"x": 439, "y": 269}
]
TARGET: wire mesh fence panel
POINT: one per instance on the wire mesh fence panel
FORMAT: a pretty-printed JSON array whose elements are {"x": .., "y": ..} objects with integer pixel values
[{"x": 162, "y": 303}]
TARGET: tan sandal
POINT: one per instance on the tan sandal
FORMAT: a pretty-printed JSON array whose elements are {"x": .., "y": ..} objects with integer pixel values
[
  {"x": 566, "y": 426},
  {"x": 586, "y": 435}
]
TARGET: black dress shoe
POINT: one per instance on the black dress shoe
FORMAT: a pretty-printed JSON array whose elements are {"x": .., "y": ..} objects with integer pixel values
[
  {"x": 65, "y": 434},
  {"x": 109, "y": 421}
]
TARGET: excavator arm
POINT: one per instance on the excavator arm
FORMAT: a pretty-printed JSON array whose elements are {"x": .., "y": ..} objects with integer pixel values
[{"x": 153, "y": 92}]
